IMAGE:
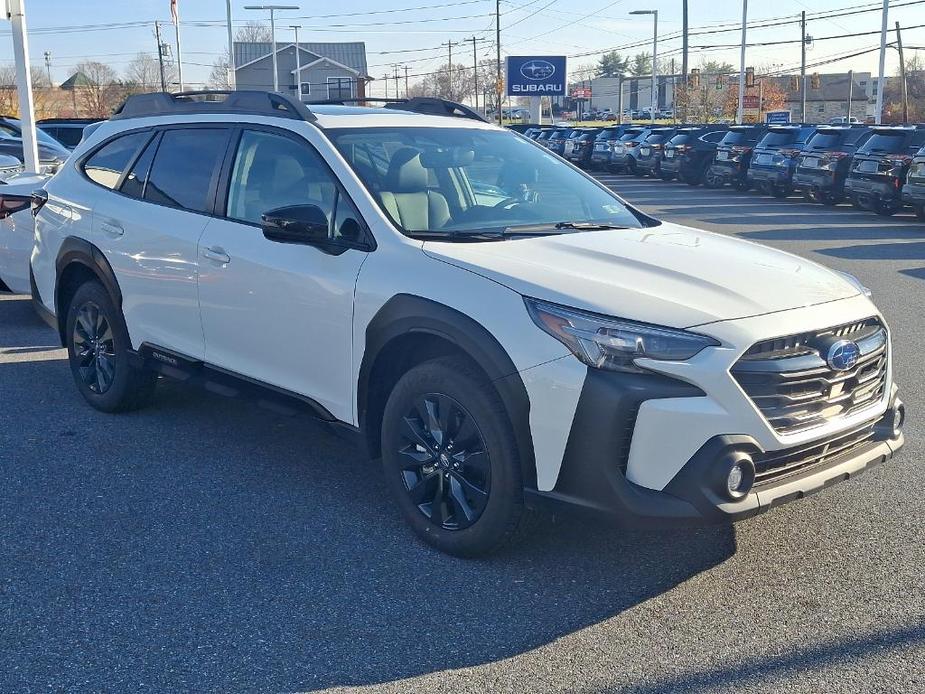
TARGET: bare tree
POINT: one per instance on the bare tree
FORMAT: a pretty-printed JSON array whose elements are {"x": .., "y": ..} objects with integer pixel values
[
  {"x": 143, "y": 73},
  {"x": 101, "y": 92},
  {"x": 252, "y": 32}
]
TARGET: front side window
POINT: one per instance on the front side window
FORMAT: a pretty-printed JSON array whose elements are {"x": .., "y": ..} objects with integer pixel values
[
  {"x": 105, "y": 166},
  {"x": 184, "y": 167},
  {"x": 272, "y": 171},
  {"x": 458, "y": 180}
]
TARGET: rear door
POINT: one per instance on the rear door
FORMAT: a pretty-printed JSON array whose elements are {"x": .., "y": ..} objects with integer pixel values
[{"x": 149, "y": 229}]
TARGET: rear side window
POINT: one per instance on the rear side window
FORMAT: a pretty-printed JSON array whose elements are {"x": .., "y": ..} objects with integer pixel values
[
  {"x": 134, "y": 183},
  {"x": 105, "y": 166},
  {"x": 184, "y": 167}
]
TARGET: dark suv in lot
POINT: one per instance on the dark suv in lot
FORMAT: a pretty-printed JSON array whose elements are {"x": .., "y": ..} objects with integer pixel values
[
  {"x": 68, "y": 131},
  {"x": 733, "y": 155},
  {"x": 649, "y": 160},
  {"x": 556, "y": 141},
  {"x": 579, "y": 147},
  {"x": 914, "y": 190},
  {"x": 775, "y": 156},
  {"x": 603, "y": 146},
  {"x": 878, "y": 170},
  {"x": 689, "y": 153},
  {"x": 822, "y": 166}
]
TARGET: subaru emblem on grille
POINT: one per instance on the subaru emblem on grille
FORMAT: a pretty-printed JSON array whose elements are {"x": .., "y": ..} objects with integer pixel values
[{"x": 843, "y": 355}]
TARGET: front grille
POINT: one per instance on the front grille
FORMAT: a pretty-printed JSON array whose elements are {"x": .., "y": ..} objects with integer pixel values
[
  {"x": 790, "y": 382},
  {"x": 774, "y": 465}
]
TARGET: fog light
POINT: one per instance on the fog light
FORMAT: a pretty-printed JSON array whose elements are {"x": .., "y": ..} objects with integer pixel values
[
  {"x": 899, "y": 418},
  {"x": 737, "y": 475}
]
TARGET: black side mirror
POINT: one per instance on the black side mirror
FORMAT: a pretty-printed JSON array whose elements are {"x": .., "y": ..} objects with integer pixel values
[{"x": 305, "y": 224}]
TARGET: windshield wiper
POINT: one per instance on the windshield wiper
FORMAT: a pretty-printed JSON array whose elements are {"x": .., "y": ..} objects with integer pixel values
[{"x": 588, "y": 226}]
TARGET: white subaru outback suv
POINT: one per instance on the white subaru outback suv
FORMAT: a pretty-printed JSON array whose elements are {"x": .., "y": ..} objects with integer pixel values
[{"x": 504, "y": 331}]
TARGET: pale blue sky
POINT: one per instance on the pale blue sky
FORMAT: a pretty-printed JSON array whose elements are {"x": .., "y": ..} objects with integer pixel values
[{"x": 74, "y": 30}]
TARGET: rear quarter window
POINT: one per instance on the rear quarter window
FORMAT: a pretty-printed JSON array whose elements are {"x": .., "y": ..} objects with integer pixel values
[{"x": 105, "y": 165}]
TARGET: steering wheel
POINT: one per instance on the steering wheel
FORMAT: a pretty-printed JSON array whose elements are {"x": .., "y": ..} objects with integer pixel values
[{"x": 508, "y": 203}]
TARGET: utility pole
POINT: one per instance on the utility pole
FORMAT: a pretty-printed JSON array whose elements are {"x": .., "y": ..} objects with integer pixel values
[
  {"x": 298, "y": 62},
  {"x": 175, "y": 9},
  {"x": 395, "y": 73},
  {"x": 47, "y": 55},
  {"x": 498, "y": 84},
  {"x": 385, "y": 81},
  {"x": 880, "y": 77},
  {"x": 902, "y": 75},
  {"x": 740, "y": 115},
  {"x": 449, "y": 66},
  {"x": 231, "y": 68},
  {"x": 406, "y": 68},
  {"x": 850, "y": 93},
  {"x": 272, "y": 9},
  {"x": 160, "y": 53},
  {"x": 16, "y": 13},
  {"x": 684, "y": 42},
  {"x": 803, "y": 66},
  {"x": 475, "y": 70}
]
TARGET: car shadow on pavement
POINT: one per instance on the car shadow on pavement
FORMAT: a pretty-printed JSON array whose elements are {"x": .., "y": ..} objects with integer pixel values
[
  {"x": 783, "y": 667},
  {"x": 878, "y": 251},
  {"x": 834, "y": 233},
  {"x": 207, "y": 544}
]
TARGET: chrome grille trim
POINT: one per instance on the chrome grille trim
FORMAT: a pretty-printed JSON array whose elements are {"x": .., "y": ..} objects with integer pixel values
[{"x": 794, "y": 388}]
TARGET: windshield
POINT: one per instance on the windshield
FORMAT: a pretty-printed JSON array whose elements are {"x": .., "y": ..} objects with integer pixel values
[
  {"x": 456, "y": 180},
  {"x": 40, "y": 135}
]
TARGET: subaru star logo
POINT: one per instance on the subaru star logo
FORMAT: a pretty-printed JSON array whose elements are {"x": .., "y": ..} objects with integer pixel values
[
  {"x": 538, "y": 70},
  {"x": 843, "y": 355}
]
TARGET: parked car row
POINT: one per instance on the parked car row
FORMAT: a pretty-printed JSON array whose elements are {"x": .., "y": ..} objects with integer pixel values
[{"x": 877, "y": 168}]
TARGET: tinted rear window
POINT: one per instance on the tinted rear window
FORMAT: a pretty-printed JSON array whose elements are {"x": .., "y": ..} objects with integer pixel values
[
  {"x": 105, "y": 166},
  {"x": 738, "y": 137},
  {"x": 884, "y": 142},
  {"x": 183, "y": 168},
  {"x": 825, "y": 140},
  {"x": 630, "y": 135},
  {"x": 776, "y": 139},
  {"x": 657, "y": 138},
  {"x": 608, "y": 135},
  {"x": 681, "y": 139}
]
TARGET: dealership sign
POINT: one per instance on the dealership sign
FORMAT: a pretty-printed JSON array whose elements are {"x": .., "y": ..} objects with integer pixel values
[
  {"x": 777, "y": 117},
  {"x": 535, "y": 75}
]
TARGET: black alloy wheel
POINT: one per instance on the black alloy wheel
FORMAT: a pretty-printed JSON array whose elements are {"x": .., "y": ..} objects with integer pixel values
[
  {"x": 446, "y": 470},
  {"x": 94, "y": 347}
]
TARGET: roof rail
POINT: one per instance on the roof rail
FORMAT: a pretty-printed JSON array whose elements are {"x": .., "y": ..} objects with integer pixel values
[
  {"x": 251, "y": 102},
  {"x": 417, "y": 104}
]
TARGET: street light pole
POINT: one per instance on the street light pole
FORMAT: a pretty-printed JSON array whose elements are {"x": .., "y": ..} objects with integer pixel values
[
  {"x": 298, "y": 63},
  {"x": 880, "y": 77},
  {"x": 740, "y": 114},
  {"x": 272, "y": 9},
  {"x": 654, "y": 107},
  {"x": 16, "y": 13},
  {"x": 231, "y": 67}
]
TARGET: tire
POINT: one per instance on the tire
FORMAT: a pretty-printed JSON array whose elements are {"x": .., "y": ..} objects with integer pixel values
[
  {"x": 811, "y": 196},
  {"x": 780, "y": 191},
  {"x": 885, "y": 209},
  {"x": 856, "y": 203},
  {"x": 98, "y": 351},
  {"x": 479, "y": 485},
  {"x": 742, "y": 184},
  {"x": 712, "y": 181},
  {"x": 919, "y": 211}
]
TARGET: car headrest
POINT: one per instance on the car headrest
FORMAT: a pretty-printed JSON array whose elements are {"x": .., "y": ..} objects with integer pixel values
[{"x": 406, "y": 174}]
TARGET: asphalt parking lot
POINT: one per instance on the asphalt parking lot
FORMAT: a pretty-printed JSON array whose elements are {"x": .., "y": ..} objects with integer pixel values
[{"x": 206, "y": 544}]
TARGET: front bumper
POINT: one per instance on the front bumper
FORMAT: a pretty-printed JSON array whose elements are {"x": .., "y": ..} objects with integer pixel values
[{"x": 647, "y": 447}]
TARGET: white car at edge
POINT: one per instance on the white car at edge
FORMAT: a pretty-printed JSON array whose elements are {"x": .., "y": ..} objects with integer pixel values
[{"x": 503, "y": 331}]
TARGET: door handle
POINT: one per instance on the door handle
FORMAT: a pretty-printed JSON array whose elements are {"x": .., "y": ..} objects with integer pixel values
[
  {"x": 216, "y": 254},
  {"x": 112, "y": 228}
]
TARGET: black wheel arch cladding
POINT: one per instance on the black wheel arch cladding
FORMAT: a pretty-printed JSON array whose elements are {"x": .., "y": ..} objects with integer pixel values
[
  {"x": 78, "y": 251},
  {"x": 406, "y": 314}
]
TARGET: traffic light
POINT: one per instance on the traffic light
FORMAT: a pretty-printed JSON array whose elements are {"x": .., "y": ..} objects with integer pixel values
[
  {"x": 749, "y": 77},
  {"x": 794, "y": 83},
  {"x": 816, "y": 81},
  {"x": 695, "y": 78}
]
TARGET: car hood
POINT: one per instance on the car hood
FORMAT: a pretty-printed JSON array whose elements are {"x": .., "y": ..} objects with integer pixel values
[{"x": 669, "y": 274}]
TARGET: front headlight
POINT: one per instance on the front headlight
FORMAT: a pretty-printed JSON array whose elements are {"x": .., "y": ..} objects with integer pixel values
[
  {"x": 856, "y": 282},
  {"x": 612, "y": 343}
]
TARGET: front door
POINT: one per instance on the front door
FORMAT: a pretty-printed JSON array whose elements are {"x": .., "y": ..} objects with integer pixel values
[{"x": 280, "y": 313}]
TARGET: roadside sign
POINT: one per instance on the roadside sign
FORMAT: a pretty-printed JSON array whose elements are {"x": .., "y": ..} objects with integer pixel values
[
  {"x": 535, "y": 75},
  {"x": 581, "y": 93},
  {"x": 777, "y": 117}
]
